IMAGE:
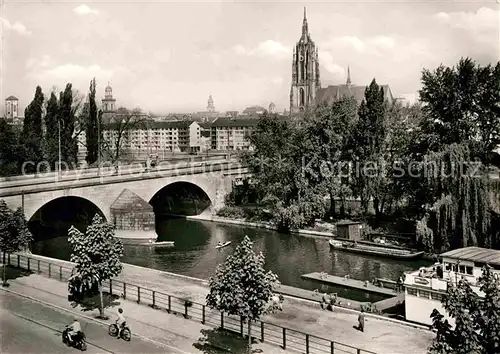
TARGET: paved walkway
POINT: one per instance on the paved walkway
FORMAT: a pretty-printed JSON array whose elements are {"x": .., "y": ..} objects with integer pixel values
[
  {"x": 380, "y": 336},
  {"x": 174, "y": 331}
]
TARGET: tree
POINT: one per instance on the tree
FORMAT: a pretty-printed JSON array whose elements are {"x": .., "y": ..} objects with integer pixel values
[
  {"x": 463, "y": 103},
  {"x": 68, "y": 106},
  {"x": 52, "y": 130},
  {"x": 10, "y": 151},
  {"x": 242, "y": 287},
  {"x": 461, "y": 198},
  {"x": 477, "y": 319},
  {"x": 91, "y": 127},
  {"x": 369, "y": 146},
  {"x": 14, "y": 233},
  {"x": 326, "y": 135},
  {"x": 277, "y": 170},
  {"x": 32, "y": 134},
  {"x": 118, "y": 127},
  {"x": 97, "y": 254}
]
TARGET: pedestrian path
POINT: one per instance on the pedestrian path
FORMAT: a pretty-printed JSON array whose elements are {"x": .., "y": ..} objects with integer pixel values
[
  {"x": 168, "y": 329},
  {"x": 380, "y": 336}
]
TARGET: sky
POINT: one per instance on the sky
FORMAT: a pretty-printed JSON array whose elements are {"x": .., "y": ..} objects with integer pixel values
[{"x": 164, "y": 56}]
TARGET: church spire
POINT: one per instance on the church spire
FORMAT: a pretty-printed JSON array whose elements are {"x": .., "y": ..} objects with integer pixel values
[
  {"x": 305, "y": 30},
  {"x": 348, "y": 82}
]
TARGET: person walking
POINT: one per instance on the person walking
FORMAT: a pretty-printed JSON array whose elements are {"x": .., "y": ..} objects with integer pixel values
[{"x": 361, "y": 321}]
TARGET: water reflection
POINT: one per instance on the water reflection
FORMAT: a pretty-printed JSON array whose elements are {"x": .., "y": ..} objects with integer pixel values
[{"x": 289, "y": 256}]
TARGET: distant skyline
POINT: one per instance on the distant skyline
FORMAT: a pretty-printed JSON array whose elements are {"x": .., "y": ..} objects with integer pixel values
[{"x": 168, "y": 57}]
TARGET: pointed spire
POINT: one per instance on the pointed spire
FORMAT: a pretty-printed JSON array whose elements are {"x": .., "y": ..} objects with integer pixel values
[
  {"x": 348, "y": 82},
  {"x": 305, "y": 31}
]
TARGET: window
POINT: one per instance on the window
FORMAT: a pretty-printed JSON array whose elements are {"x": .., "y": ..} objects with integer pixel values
[
  {"x": 411, "y": 291},
  {"x": 436, "y": 296},
  {"x": 423, "y": 293},
  {"x": 468, "y": 270}
]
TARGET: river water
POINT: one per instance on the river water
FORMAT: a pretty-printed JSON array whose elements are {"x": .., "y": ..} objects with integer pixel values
[{"x": 289, "y": 256}]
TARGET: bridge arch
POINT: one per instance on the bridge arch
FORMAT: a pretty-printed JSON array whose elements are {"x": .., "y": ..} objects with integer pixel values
[
  {"x": 181, "y": 198},
  {"x": 55, "y": 217}
]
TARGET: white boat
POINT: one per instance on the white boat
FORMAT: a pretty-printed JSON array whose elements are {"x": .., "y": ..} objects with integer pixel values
[
  {"x": 223, "y": 245},
  {"x": 158, "y": 244}
]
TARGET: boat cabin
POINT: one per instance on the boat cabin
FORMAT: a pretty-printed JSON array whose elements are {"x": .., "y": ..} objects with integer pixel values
[
  {"x": 348, "y": 229},
  {"x": 425, "y": 287}
]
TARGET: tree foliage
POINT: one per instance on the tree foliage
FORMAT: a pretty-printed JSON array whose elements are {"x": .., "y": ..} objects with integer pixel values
[
  {"x": 97, "y": 254},
  {"x": 91, "y": 127},
  {"x": 11, "y": 153},
  {"x": 276, "y": 165},
  {"x": 369, "y": 147},
  {"x": 52, "y": 130},
  {"x": 69, "y": 104},
  {"x": 476, "y": 319},
  {"x": 32, "y": 133},
  {"x": 463, "y": 103},
  {"x": 14, "y": 233},
  {"x": 241, "y": 286}
]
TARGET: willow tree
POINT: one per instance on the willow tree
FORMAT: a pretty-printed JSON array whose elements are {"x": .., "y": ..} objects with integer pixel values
[{"x": 461, "y": 199}]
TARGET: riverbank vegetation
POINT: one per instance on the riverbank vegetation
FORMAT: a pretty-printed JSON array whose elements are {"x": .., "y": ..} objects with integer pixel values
[{"x": 427, "y": 165}]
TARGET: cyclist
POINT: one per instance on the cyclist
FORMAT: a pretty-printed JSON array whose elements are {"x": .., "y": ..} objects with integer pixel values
[{"x": 120, "y": 322}]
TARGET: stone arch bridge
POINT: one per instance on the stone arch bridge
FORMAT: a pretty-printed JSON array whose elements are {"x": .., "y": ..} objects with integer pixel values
[{"x": 105, "y": 192}]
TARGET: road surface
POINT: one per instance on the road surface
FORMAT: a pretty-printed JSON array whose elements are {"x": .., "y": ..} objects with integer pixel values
[{"x": 32, "y": 328}]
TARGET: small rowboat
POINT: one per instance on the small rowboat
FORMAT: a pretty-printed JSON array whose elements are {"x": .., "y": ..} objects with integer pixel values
[
  {"x": 354, "y": 247},
  {"x": 223, "y": 245}
]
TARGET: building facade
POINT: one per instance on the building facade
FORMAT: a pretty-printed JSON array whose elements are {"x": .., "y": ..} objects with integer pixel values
[
  {"x": 156, "y": 138},
  {"x": 424, "y": 288},
  {"x": 11, "y": 107},
  {"x": 232, "y": 134},
  {"x": 305, "y": 72}
]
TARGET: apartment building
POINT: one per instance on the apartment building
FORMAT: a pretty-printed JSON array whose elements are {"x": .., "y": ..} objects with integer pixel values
[
  {"x": 231, "y": 134},
  {"x": 155, "y": 137}
]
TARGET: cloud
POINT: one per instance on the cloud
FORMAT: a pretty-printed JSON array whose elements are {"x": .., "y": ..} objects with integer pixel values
[
  {"x": 47, "y": 73},
  {"x": 85, "y": 10},
  {"x": 267, "y": 48},
  {"x": 326, "y": 61},
  {"x": 16, "y": 26},
  {"x": 368, "y": 45},
  {"x": 483, "y": 20}
]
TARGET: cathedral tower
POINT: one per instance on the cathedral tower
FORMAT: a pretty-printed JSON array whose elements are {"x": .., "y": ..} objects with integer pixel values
[{"x": 305, "y": 72}]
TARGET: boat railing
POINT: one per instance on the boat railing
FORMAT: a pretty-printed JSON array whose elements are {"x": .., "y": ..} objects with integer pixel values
[{"x": 286, "y": 338}]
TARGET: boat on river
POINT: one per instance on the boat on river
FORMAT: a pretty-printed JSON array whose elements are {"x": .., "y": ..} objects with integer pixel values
[
  {"x": 158, "y": 244},
  {"x": 223, "y": 245},
  {"x": 355, "y": 247}
]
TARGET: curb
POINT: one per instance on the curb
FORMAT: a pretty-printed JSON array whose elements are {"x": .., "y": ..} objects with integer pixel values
[{"x": 101, "y": 322}]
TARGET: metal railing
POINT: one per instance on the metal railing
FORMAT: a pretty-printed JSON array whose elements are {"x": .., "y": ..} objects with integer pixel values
[{"x": 286, "y": 338}]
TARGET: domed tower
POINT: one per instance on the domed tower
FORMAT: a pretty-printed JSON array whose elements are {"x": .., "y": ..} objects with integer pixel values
[
  {"x": 108, "y": 102},
  {"x": 210, "y": 106},
  {"x": 272, "y": 108}
]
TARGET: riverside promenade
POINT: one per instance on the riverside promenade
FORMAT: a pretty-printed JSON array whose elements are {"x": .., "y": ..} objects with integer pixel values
[{"x": 380, "y": 336}]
